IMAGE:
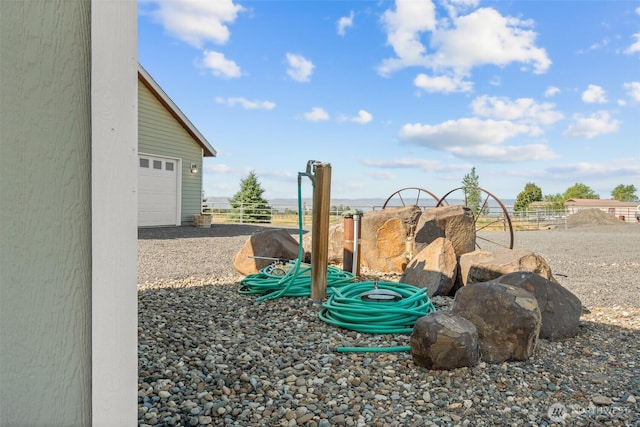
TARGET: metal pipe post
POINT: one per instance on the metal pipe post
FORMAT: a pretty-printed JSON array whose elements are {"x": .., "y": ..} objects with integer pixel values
[
  {"x": 320, "y": 230},
  {"x": 347, "y": 243},
  {"x": 356, "y": 245}
]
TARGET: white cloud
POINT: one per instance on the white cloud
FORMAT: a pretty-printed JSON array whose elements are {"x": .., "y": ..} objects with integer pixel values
[
  {"x": 453, "y": 7},
  {"x": 597, "y": 124},
  {"x": 363, "y": 117},
  {"x": 444, "y": 84},
  {"x": 594, "y": 94},
  {"x": 486, "y": 37},
  {"x": 300, "y": 68},
  {"x": 495, "y": 81},
  {"x": 633, "y": 90},
  {"x": 344, "y": 23},
  {"x": 403, "y": 27},
  {"x": 382, "y": 175},
  {"x": 525, "y": 110},
  {"x": 594, "y": 170},
  {"x": 426, "y": 165},
  {"x": 316, "y": 114},
  {"x": 505, "y": 153},
  {"x": 473, "y": 138},
  {"x": 595, "y": 46},
  {"x": 219, "y": 65},
  {"x": 551, "y": 91},
  {"x": 196, "y": 21},
  {"x": 634, "y": 47},
  {"x": 246, "y": 104},
  {"x": 460, "y": 43},
  {"x": 464, "y": 132}
]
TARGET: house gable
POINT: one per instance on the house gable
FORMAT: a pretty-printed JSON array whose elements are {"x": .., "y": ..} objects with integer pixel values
[{"x": 161, "y": 134}]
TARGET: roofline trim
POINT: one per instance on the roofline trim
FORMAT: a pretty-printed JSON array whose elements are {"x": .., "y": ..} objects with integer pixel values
[{"x": 174, "y": 110}]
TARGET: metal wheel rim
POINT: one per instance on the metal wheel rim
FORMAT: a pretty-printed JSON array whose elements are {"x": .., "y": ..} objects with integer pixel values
[{"x": 507, "y": 218}]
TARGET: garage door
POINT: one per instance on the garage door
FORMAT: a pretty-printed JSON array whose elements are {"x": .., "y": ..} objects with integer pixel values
[{"x": 158, "y": 194}]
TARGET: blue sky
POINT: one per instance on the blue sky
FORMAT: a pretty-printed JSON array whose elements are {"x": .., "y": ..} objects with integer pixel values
[{"x": 405, "y": 93}]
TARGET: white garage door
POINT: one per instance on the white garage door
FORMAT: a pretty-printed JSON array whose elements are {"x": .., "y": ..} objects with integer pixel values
[{"x": 158, "y": 195}]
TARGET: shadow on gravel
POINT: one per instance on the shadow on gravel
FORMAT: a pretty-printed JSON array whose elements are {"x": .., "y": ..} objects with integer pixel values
[{"x": 216, "y": 230}]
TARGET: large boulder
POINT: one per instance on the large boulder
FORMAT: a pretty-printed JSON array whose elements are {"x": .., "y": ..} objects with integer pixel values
[
  {"x": 444, "y": 340},
  {"x": 335, "y": 248},
  {"x": 456, "y": 223},
  {"x": 559, "y": 307},
  {"x": 483, "y": 266},
  {"x": 507, "y": 318},
  {"x": 276, "y": 243},
  {"x": 433, "y": 268},
  {"x": 384, "y": 237}
]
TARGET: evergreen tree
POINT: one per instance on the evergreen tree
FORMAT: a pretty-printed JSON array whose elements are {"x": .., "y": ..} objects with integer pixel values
[
  {"x": 472, "y": 195},
  {"x": 625, "y": 193},
  {"x": 248, "y": 205},
  {"x": 531, "y": 193},
  {"x": 579, "y": 191}
]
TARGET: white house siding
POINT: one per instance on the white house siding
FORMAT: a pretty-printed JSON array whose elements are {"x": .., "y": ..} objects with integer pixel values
[
  {"x": 159, "y": 133},
  {"x": 45, "y": 215}
]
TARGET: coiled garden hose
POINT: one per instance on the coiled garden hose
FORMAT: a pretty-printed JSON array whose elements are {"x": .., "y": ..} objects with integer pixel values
[
  {"x": 296, "y": 281},
  {"x": 347, "y": 308}
]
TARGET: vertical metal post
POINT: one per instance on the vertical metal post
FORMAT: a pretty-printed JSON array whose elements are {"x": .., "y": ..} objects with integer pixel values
[
  {"x": 320, "y": 230},
  {"x": 356, "y": 245},
  {"x": 347, "y": 243}
]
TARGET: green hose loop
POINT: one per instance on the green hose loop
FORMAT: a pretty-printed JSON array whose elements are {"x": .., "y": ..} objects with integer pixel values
[
  {"x": 295, "y": 283},
  {"x": 297, "y": 280},
  {"x": 345, "y": 308}
]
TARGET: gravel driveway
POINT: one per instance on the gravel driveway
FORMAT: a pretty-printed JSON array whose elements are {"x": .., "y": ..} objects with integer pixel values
[{"x": 210, "y": 356}]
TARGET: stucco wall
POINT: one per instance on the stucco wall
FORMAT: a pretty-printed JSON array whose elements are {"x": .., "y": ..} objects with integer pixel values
[{"x": 45, "y": 213}]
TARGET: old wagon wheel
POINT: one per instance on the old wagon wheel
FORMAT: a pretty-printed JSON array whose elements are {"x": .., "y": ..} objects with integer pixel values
[
  {"x": 493, "y": 224},
  {"x": 410, "y": 196}
]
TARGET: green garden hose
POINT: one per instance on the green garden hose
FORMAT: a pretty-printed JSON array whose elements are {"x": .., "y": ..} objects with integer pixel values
[
  {"x": 296, "y": 282},
  {"x": 346, "y": 308}
]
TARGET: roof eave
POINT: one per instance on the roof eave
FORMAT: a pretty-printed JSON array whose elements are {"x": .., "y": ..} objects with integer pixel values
[{"x": 174, "y": 110}]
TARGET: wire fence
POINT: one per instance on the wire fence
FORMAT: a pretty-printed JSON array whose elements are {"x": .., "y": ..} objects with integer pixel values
[{"x": 492, "y": 218}]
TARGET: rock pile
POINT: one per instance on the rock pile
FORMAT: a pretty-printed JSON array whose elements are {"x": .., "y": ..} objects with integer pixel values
[
  {"x": 496, "y": 321},
  {"x": 588, "y": 217},
  {"x": 504, "y": 301}
]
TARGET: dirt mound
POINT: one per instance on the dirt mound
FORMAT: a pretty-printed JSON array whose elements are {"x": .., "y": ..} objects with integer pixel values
[{"x": 591, "y": 217}]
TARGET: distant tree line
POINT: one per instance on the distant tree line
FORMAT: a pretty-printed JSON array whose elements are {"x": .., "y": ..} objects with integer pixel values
[{"x": 533, "y": 193}]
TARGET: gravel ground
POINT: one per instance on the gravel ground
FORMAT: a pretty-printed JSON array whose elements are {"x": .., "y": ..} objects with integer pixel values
[{"x": 210, "y": 356}]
